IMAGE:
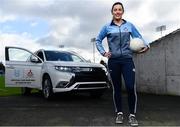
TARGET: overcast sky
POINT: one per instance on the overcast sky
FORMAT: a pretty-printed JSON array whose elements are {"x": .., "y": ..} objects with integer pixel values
[{"x": 35, "y": 24}]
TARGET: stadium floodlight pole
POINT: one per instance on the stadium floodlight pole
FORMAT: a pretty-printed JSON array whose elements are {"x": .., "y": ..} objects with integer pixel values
[
  {"x": 161, "y": 28},
  {"x": 93, "y": 40}
]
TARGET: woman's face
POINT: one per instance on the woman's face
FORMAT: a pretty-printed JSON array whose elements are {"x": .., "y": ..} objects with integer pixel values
[{"x": 117, "y": 12}]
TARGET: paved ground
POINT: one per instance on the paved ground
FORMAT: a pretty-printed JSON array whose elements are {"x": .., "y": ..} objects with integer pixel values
[{"x": 81, "y": 110}]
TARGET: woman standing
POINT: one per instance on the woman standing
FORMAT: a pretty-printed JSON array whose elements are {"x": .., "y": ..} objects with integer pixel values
[{"x": 118, "y": 33}]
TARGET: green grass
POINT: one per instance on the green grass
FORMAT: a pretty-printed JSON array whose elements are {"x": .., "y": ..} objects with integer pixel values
[{"x": 8, "y": 91}]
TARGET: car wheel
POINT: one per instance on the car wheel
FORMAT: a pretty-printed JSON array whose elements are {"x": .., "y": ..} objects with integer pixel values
[
  {"x": 47, "y": 88},
  {"x": 25, "y": 91},
  {"x": 96, "y": 93}
]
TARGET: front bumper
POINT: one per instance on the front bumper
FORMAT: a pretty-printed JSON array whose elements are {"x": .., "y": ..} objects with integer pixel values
[
  {"x": 83, "y": 86},
  {"x": 84, "y": 80}
]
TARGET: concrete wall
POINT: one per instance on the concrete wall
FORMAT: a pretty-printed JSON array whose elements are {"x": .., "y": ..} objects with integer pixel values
[{"x": 158, "y": 70}]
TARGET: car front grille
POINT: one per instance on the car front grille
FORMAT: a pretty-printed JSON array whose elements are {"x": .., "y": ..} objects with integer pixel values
[
  {"x": 91, "y": 75},
  {"x": 95, "y": 75}
]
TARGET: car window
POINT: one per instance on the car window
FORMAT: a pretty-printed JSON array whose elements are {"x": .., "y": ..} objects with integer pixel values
[
  {"x": 76, "y": 58},
  {"x": 18, "y": 54},
  {"x": 40, "y": 54},
  {"x": 61, "y": 56}
]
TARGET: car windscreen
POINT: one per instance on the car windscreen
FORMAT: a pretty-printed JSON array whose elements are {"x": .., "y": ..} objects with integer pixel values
[{"x": 62, "y": 56}]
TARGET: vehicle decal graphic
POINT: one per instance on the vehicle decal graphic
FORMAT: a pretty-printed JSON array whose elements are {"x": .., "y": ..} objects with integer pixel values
[{"x": 29, "y": 74}]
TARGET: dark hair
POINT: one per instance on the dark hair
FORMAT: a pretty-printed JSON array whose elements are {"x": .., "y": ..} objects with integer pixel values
[{"x": 117, "y": 4}]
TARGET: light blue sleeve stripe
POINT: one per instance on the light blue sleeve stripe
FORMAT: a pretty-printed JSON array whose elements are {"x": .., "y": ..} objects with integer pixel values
[{"x": 99, "y": 39}]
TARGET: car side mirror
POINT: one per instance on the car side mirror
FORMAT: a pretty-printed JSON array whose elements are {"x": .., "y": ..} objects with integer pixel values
[
  {"x": 34, "y": 59},
  {"x": 89, "y": 61}
]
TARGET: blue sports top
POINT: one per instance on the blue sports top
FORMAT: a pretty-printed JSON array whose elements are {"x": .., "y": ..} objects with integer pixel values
[{"x": 118, "y": 38}]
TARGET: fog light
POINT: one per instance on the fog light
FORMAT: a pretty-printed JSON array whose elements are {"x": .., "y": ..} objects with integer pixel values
[{"x": 62, "y": 84}]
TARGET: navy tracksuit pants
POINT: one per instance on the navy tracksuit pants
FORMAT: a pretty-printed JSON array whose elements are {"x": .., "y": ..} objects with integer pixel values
[{"x": 126, "y": 68}]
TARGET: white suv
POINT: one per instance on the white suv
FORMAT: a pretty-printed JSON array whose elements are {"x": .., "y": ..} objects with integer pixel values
[{"x": 53, "y": 71}]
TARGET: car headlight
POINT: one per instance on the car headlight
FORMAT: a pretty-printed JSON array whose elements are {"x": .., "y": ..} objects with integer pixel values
[{"x": 63, "y": 68}]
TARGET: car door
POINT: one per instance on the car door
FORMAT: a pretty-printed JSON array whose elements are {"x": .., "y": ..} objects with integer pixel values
[{"x": 22, "y": 68}]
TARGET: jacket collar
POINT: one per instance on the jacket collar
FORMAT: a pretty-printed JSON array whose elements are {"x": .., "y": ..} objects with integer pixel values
[{"x": 112, "y": 23}]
